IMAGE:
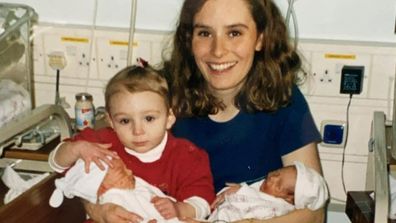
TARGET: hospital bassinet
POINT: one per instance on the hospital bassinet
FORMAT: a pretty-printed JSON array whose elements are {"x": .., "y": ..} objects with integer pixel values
[{"x": 16, "y": 60}]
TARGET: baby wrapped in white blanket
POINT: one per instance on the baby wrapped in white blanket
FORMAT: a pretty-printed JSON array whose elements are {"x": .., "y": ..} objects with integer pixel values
[
  {"x": 284, "y": 190},
  {"x": 115, "y": 185}
]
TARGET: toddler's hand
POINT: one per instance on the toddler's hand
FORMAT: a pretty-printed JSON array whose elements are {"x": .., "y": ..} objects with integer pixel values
[
  {"x": 165, "y": 206},
  {"x": 93, "y": 152}
]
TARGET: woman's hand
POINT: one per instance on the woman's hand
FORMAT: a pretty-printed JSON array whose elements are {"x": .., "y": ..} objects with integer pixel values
[
  {"x": 93, "y": 152},
  {"x": 191, "y": 220},
  {"x": 232, "y": 188},
  {"x": 165, "y": 206},
  {"x": 110, "y": 213}
]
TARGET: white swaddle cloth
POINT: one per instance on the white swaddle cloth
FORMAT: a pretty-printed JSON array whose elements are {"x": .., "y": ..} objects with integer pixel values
[
  {"x": 250, "y": 202},
  {"x": 16, "y": 184},
  {"x": 311, "y": 188},
  {"x": 137, "y": 200},
  {"x": 77, "y": 182}
]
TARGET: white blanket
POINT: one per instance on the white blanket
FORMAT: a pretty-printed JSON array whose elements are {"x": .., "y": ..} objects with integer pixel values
[
  {"x": 137, "y": 200},
  {"x": 249, "y": 202}
]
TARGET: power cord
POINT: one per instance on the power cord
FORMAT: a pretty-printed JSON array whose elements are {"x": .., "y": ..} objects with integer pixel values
[
  {"x": 290, "y": 12},
  {"x": 345, "y": 144}
]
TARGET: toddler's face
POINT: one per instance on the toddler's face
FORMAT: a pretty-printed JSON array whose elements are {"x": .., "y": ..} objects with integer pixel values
[{"x": 140, "y": 119}]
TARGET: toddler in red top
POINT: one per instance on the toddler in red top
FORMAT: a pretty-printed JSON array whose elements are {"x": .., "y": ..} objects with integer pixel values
[{"x": 139, "y": 114}]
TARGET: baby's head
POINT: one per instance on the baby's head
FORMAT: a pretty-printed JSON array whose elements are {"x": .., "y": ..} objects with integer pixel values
[
  {"x": 119, "y": 176},
  {"x": 138, "y": 107},
  {"x": 299, "y": 185},
  {"x": 281, "y": 183}
]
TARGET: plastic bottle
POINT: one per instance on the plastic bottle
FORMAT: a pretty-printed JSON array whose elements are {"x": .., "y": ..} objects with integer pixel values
[{"x": 84, "y": 111}]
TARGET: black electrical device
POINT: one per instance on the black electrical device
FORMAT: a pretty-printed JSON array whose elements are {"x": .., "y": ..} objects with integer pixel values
[{"x": 352, "y": 79}]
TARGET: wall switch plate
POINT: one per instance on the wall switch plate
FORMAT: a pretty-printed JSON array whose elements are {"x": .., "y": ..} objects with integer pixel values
[{"x": 333, "y": 133}]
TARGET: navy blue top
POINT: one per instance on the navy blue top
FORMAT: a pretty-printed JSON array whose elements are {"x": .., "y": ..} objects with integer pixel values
[{"x": 250, "y": 145}]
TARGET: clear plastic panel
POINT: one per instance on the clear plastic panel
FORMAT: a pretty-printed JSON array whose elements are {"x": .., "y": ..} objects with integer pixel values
[{"x": 15, "y": 44}]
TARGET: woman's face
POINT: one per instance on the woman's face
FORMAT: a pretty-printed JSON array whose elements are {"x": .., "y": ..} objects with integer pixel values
[{"x": 224, "y": 41}]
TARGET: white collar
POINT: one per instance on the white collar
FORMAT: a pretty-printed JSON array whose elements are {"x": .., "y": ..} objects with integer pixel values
[{"x": 152, "y": 155}]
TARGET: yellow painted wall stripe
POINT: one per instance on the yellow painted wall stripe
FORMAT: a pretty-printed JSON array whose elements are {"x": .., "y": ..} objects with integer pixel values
[
  {"x": 117, "y": 42},
  {"x": 121, "y": 43},
  {"x": 75, "y": 39},
  {"x": 340, "y": 56}
]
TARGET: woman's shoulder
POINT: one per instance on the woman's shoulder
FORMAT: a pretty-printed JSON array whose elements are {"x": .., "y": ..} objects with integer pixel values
[
  {"x": 184, "y": 147},
  {"x": 298, "y": 102},
  {"x": 297, "y": 96}
]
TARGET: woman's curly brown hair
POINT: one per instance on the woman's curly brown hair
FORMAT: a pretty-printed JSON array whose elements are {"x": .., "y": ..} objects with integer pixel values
[{"x": 269, "y": 82}]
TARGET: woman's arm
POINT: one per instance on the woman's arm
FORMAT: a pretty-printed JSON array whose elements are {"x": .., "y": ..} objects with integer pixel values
[
  {"x": 296, "y": 216},
  {"x": 308, "y": 155},
  {"x": 110, "y": 213}
]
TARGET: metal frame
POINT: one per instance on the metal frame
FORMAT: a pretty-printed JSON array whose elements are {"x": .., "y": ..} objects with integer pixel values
[
  {"x": 30, "y": 118},
  {"x": 379, "y": 175}
]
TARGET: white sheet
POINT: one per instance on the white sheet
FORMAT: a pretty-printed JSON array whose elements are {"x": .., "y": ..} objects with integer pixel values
[{"x": 14, "y": 99}]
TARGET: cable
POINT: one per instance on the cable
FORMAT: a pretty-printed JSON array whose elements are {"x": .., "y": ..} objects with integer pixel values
[
  {"x": 57, "y": 97},
  {"x": 93, "y": 28},
  {"x": 290, "y": 11},
  {"x": 295, "y": 25},
  {"x": 345, "y": 144},
  {"x": 131, "y": 31}
]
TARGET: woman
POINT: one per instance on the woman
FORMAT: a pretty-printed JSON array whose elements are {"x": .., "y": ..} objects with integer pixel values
[
  {"x": 232, "y": 74},
  {"x": 233, "y": 79}
]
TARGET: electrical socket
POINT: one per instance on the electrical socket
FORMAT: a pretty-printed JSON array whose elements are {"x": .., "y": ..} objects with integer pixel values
[
  {"x": 111, "y": 57},
  {"x": 83, "y": 59},
  {"x": 75, "y": 48},
  {"x": 111, "y": 62}
]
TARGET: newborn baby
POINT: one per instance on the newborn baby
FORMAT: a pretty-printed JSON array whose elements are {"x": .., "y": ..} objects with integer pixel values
[
  {"x": 284, "y": 190},
  {"x": 115, "y": 185}
]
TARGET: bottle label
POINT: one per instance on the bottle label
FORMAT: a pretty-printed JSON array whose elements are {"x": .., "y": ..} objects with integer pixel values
[{"x": 85, "y": 117}]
